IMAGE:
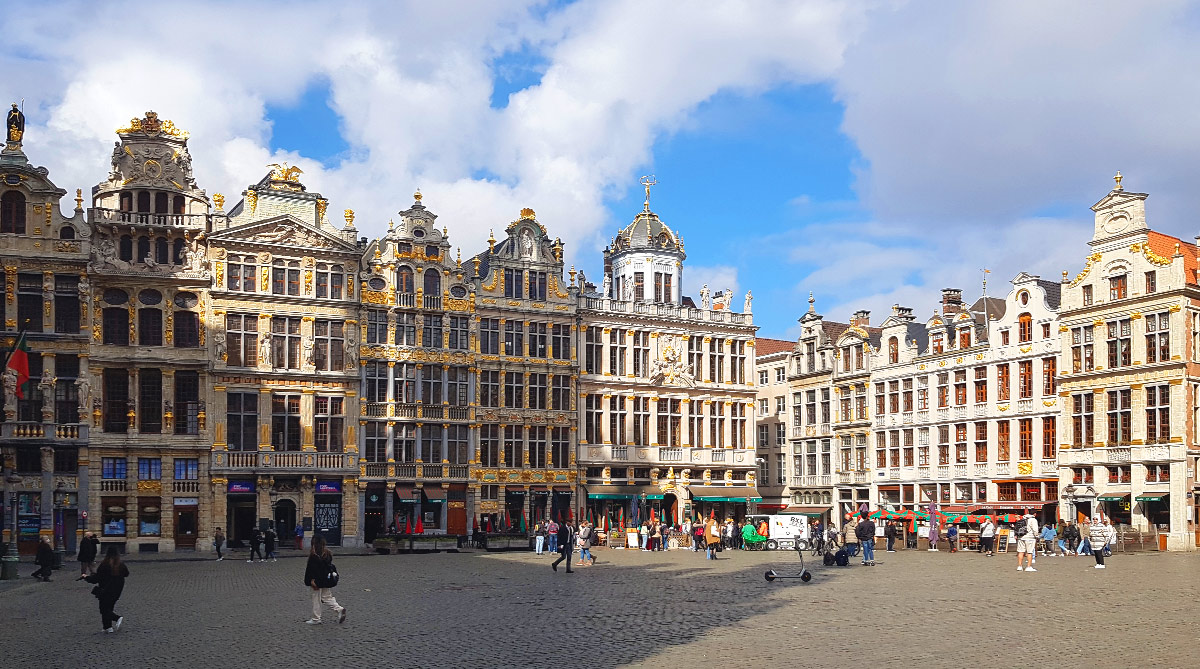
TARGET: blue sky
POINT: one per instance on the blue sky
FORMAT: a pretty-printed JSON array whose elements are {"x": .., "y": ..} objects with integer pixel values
[{"x": 871, "y": 153}]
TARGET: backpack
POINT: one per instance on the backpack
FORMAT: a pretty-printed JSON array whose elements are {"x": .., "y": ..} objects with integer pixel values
[
  {"x": 331, "y": 578},
  {"x": 1021, "y": 529},
  {"x": 829, "y": 559},
  {"x": 842, "y": 558}
]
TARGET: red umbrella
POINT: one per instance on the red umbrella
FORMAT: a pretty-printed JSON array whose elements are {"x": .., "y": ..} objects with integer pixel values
[
  {"x": 507, "y": 520},
  {"x": 475, "y": 524},
  {"x": 420, "y": 526},
  {"x": 408, "y": 525}
]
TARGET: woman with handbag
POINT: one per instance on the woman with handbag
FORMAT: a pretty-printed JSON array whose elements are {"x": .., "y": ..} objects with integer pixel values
[
  {"x": 110, "y": 582},
  {"x": 322, "y": 576}
]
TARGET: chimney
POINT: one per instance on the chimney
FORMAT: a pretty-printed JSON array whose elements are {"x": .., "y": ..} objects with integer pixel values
[
  {"x": 951, "y": 301},
  {"x": 904, "y": 313},
  {"x": 861, "y": 319}
]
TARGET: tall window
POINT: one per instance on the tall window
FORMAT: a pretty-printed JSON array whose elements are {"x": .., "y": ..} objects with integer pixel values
[
  {"x": 285, "y": 278},
  {"x": 537, "y": 391},
  {"x": 66, "y": 304},
  {"x": 116, "y": 400},
  {"x": 592, "y": 416},
  {"x": 981, "y": 445},
  {"x": 1025, "y": 378},
  {"x": 1158, "y": 414},
  {"x": 964, "y": 338},
  {"x": 938, "y": 343},
  {"x": 405, "y": 442},
  {"x": 537, "y": 340},
  {"x": 1083, "y": 419},
  {"x": 980, "y": 385},
  {"x": 241, "y": 337},
  {"x": 285, "y": 343},
  {"x": 186, "y": 329},
  {"x": 375, "y": 441},
  {"x": 1081, "y": 349},
  {"x": 537, "y": 445},
  {"x": 29, "y": 302},
  {"x": 1118, "y": 287},
  {"x": 514, "y": 283},
  {"x": 241, "y": 273},
  {"x": 1002, "y": 382},
  {"x": 406, "y": 329},
  {"x": 641, "y": 421},
  {"x": 1119, "y": 343},
  {"x": 489, "y": 445},
  {"x": 1025, "y": 436},
  {"x": 737, "y": 362},
  {"x": 149, "y": 469},
  {"x": 285, "y": 422},
  {"x": 489, "y": 336},
  {"x": 943, "y": 390},
  {"x": 329, "y": 345},
  {"x": 560, "y": 393},
  {"x": 1049, "y": 437},
  {"x": 405, "y": 383},
  {"x": 241, "y": 417},
  {"x": 376, "y": 326},
  {"x": 514, "y": 390},
  {"x": 696, "y": 356},
  {"x": 405, "y": 285},
  {"x": 639, "y": 286},
  {"x": 593, "y": 352},
  {"x": 1120, "y": 423},
  {"x": 330, "y": 422},
  {"x": 960, "y": 387},
  {"x": 330, "y": 281},
  {"x": 716, "y": 359},
  {"x": 187, "y": 469},
  {"x": 716, "y": 424},
  {"x": 514, "y": 436},
  {"x": 616, "y": 420},
  {"x": 12, "y": 212},
  {"x": 616, "y": 352},
  {"x": 560, "y": 341},
  {"x": 150, "y": 401},
  {"x": 560, "y": 447},
  {"x": 457, "y": 444},
  {"x": 431, "y": 331},
  {"x": 150, "y": 331},
  {"x": 66, "y": 393},
  {"x": 960, "y": 443},
  {"x": 514, "y": 338},
  {"x": 489, "y": 388},
  {"x": 456, "y": 386},
  {"x": 670, "y": 420},
  {"x": 1087, "y": 296},
  {"x": 459, "y": 340},
  {"x": 376, "y": 381},
  {"x": 431, "y": 442},
  {"x": 1049, "y": 369},
  {"x": 537, "y": 286},
  {"x": 893, "y": 350},
  {"x": 1158, "y": 337},
  {"x": 113, "y": 468},
  {"x": 641, "y": 353},
  {"x": 1003, "y": 441},
  {"x": 187, "y": 402},
  {"x": 1024, "y": 328},
  {"x": 1151, "y": 282},
  {"x": 431, "y": 384}
]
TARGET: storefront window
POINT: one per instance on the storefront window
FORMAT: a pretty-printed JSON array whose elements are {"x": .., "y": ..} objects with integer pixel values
[
  {"x": 149, "y": 517},
  {"x": 113, "y": 516}
]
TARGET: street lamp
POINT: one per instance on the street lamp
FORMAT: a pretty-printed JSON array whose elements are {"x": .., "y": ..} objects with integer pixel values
[
  {"x": 416, "y": 493},
  {"x": 8, "y": 564},
  {"x": 642, "y": 509},
  {"x": 59, "y": 502}
]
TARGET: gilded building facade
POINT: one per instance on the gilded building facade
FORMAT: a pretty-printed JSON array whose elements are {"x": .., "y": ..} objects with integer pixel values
[
  {"x": 524, "y": 467},
  {"x": 148, "y": 364},
  {"x": 1130, "y": 376},
  {"x": 417, "y": 435},
  {"x": 44, "y": 433},
  {"x": 284, "y": 363},
  {"x": 666, "y": 387}
]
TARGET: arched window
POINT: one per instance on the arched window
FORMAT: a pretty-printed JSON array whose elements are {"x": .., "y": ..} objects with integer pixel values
[
  {"x": 1024, "y": 328},
  {"x": 893, "y": 350},
  {"x": 67, "y": 232},
  {"x": 177, "y": 256},
  {"x": 143, "y": 201},
  {"x": 161, "y": 253},
  {"x": 126, "y": 248},
  {"x": 143, "y": 249},
  {"x": 433, "y": 283},
  {"x": 404, "y": 281},
  {"x": 12, "y": 212},
  {"x": 178, "y": 206},
  {"x": 126, "y": 202},
  {"x": 160, "y": 203}
]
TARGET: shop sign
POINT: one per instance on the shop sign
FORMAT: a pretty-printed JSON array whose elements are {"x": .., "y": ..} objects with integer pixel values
[
  {"x": 29, "y": 526},
  {"x": 187, "y": 501},
  {"x": 323, "y": 487},
  {"x": 241, "y": 486}
]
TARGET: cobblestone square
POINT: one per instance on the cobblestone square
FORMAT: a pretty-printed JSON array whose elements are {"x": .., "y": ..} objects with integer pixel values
[{"x": 631, "y": 609}]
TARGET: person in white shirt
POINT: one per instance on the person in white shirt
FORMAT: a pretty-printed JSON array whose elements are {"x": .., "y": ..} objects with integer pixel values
[
  {"x": 1027, "y": 536},
  {"x": 987, "y": 537}
]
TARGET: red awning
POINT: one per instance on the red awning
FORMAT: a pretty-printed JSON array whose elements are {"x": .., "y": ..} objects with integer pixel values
[
  {"x": 562, "y": 488},
  {"x": 514, "y": 488},
  {"x": 434, "y": 492},
  {"x": 538, "y": 488}
]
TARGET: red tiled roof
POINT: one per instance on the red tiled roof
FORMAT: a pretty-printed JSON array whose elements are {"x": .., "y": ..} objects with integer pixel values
[
  {"x": 1164, "y": 246},
  {"x": 763, "y": 346}
]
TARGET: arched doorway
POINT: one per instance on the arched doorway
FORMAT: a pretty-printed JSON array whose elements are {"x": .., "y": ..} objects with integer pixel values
[
  {"x": 285, "y": 520},
  {"x": 670, "y": 505}
]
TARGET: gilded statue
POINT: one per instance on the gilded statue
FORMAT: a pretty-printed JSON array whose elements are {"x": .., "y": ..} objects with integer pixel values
[
  {"x": 16, "y": 124},
  {"x": 284, "y": 172}
]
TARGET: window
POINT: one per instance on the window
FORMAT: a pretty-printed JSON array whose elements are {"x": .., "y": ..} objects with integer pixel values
[
  {"x": 149, "y": 469},
  {"x": 405, "y": 285},
  {"x": 1002, "y": 385},
  {"x": 66, "y": 393},
  {"x": 780, "y": 405},
  {"x": 964, "y": 338},
  {"x": 1025, "y": 439},
  {"x": 150, "y": 401},
  {"x": 187, "y": 469},
  {"x": 780, "y": 374},
  {"x": 112, "y": 468},
  {"x": 641, "y": 421},
  {"x": 241, "y": 273},
  {"x": 1158, "y": 414},
  {"x": 639, "y": 286},
  {"x": 285, "y": 279},
  {"x": 329, "y": 345},
  {"x": 1120, "y": 474},
  {"x": 560, "y": 447},
  {"x": 376, "y": 326},
  {"x": 537, "y": 391},
  {"x": 960, "y": 387},
  {"x": 328, "y": 412},
  {"x": 431, "y": 331},
  {"x": 537, "y": 286},
  {"x": 431, "y": 442},
  {"x": 1119, "y": 346},
  {"x": 285, "y": 422},
  {"x": 1081, "y": 349},
  {"x": 943, "y": 390},
  {"x": 12, "y": 212},
  {"x": 1158, "y": 337},
  {"x": 763, "y": 377},
  {"x": 944, "y": 445},
  {"x": 514, "y": 390},
  {"x": 66, "y": 304},
  {"x": 560, "y": 393},
  {"x": 513, "y": 445},
  {"x": 662, "y": 287},
  {"x": 1087, "y": 296},
  {"x": 592, "y": 416},
  {"x": 616, "y": 420},
  {"x": 716, "y": 424},
  {"x": 537, "y": 340},
  {"x": 1024, "y": 328},
  {"x": 670, "y": 420},
  {"x": 406, "y": 329},
  {"x": 431, "y": 384},
  {"x": 375, "y": 441},
  {"x": 560, "y": 341},
  {"x": 241, "y": 417},
  {"x": 1117, "y": 287},
  {"x": 981, "y": 446},
  {"x": 1083, "y": 419},
  {"x": 285, "y": 343},
  {"x": 514, "y": 280},
  {"x": 457, "y": 444},
  {"x": 1151, "y": 282},
  {"x": 1025, "y": 379},
  {"x": 489, "y": 445},
  {"x": 980, "y": 385},
  {"x": 737, "y": 362},
  {"x": 1158, "y": 473},
  {"x": 489, "y": 336},
  {"x": 1045, "y": 330},
  {"x": 1004, "y": 337},
  {"x": 405, "y": 442},
  {"x": 616, "y": 352},
  {"x": 960, "y": 443},
  {"x": 116, "y": 400},
  {"x": 938, "y": 343},
  {"x": 187, "y": 402},
  {"x": 241, "y": 336},
  {"x": 514, "y": 338},
  {"x": 907, "y": 395},
  {"x": 489, "y": 388},
  {"x": 1049, "y": 369},
  {"x": 1003, "y": 441},
  {"x": 1081, "y": 475},
  {"x": 641, "y": 353},
  {"x": 186, "y": 330},
  {"x": 330, "y": 281},
  {"x": 1049, "y": 438},
  {"x": 456, "y": 386},
  {"x": 893, "y": 351}
]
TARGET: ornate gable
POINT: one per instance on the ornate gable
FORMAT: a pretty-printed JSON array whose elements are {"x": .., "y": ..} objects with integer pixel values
[{"x": 282, "y": 231}]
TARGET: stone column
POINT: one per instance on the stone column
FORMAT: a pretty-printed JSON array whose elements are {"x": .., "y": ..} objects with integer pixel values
[
  {"x": 264, "y": 419},
  {"x": 354, "y": 501},
  {"x": 654, "y": 423},
  {"x": 219, "y": 511},
  {"x": 307, "y": 419},
  {"x": 47, "y": 495},
  {"x": 606, "y": 435},
  {"x": 389, "y": 506},
  {"x": 685, "y": 422}
]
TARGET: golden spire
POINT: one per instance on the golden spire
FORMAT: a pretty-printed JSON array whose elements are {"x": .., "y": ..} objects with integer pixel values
[
  {"x": 417, "y": 195},
  {"x": 491, "y": 241},
  {"x": 647, "y": 181},
  {"x": 219, "y": 200},
  {"x": 572, "y": 273},
  {"x": 349, "y": 214},
  {"x": 1117, "y": 179},
  {"x": 458, "y": 255},
  {"x": 78, "y": 199},
  {"x": 391, "y": 223}
]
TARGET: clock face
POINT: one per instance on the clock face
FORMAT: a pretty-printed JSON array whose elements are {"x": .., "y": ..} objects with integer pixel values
[{"x": 1116, "y": 223}]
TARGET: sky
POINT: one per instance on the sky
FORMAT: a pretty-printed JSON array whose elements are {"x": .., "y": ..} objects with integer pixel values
[{"x": 871, "y": 152}]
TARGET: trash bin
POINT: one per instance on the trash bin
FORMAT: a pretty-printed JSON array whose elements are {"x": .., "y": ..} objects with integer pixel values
[{"x": 1162, "y": 542}]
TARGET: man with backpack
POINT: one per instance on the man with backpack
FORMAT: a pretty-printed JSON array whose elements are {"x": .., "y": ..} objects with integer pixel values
[
  {"x": 866, "y": 538},
  {"x": 1026, "y": 531}
]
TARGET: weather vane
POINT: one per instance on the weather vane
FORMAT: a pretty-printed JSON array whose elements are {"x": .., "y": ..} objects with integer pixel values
[{"x": 648, "y": 181}]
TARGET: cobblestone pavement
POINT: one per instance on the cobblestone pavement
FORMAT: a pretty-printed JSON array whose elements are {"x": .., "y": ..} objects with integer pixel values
[{"x": 631, "y": 609}]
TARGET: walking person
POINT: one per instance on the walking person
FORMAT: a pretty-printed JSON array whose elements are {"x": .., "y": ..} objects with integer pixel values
[
  {"x": 89, "y": 547},
  {"x": 585, "y": 540},
  {"x": 865, "y": 532},
  {"x": 698, "y": 535},
  {"x": 1085, "y": 540},
  {"x": 889, "y": 533},
  {"x": 552, "y": 535},
  {"x": 321, "y": 576},
  {"x": 686, "y": 528},
  {"x": 1102, "y": 533},
  {"x": 712, "y": 538},
  {"x": 987, "y": 537},
  {"x": 1026, "y": 531},
  {"x": 539, "y": 537},
  {"x": 255, "y": 546},
  {"x": 44, "y": 560},
  {"x": 218, "y": 542},
  {"x": 110, "y": 583},
  {"x": 298, "y": 532},
  {"x": 566, "y": 545},
  {"x": 270, "y": 540}
]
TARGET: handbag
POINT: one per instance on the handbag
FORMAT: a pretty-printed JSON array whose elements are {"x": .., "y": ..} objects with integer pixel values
[{"x": 331, "y": 579}]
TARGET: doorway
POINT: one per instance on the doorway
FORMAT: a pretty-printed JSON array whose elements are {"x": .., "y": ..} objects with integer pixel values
[
  {"x": 70, "y": 520},
  {"x": 185, "y": 527},
  {"x": 240, "y": 520},
  {"x": 285, "y": 521}
]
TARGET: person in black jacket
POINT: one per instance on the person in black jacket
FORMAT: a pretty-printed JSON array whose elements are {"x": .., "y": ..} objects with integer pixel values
[
  {"x": 44, "y": 560},
  {"x": 316, "y": 576},
  {"x": 89, "y": 546},
  {"x": 270, "y": 537},
  {"x": 866, "y": 538},
  {"x": 889, "y": 532},
  {"x": 566, "y": 546},
  {"x": 256, "y": 540},
  {"x": 110, "y": 582}
]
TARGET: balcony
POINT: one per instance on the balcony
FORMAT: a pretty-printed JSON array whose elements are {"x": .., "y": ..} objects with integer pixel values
[
  {"x": 860, "y": 477},
  {"x": 1048, "y": 466},
  {"x": 406, "y": 471},
  {"x": 431, "y": 412},
  {"x": 699, "y": 457},
  {"x": 36, "y": 430},
  {"x": 907, "y": 418},
  {"x": 375, "y": 409},
  {"x": 894, "y": 473},
  {"x": 1115, "y": 454},
  {"x": 923, "y": 472},
  {"x": 670, "y": 454},
  {"x": 406, "y": 300},
  {"x": 922, "y": 416},
  {"x": 943, "y": 471},
  {"x": 376, "y": 470},
  {"x": 620, "y": 452},
  {"x": 458, "y": 413},
  {"x": 981, "y": 470},
  {"x": 845, "y": 477},
  {"x": 103, "y": 215},
  {"x": 1024, "y": 406},
  {"x": 960, "y": 412},
  {"x": 284, "y": 460},
  {"x": 667, "y": 310},
  {"x": 431, "y": 471},
  {"x": 980, "y": 410},
  {"x": 818, "y": 480},
  {"x": 185, "y": 487},
  {"x": 943, "y": 414},
  {"x": 960, "y": 471},
  {"x": 431, "y": 301},
  {"x": 112, "y": 485},
  {"x": 718, "y": 454}
]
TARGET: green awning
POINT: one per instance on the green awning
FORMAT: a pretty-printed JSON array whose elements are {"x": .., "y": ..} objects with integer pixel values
[
  {"x": 1112, "y": 498},
  {"x": 623, "y": 492},
  {"x": 593, "y": 495},
  {"x": 1152, "y": 497}
]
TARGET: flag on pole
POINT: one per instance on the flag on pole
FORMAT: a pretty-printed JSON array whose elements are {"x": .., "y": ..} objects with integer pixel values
[
  {"x": 18, "y": 361},
  {"x": 522, "y": 518}
]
